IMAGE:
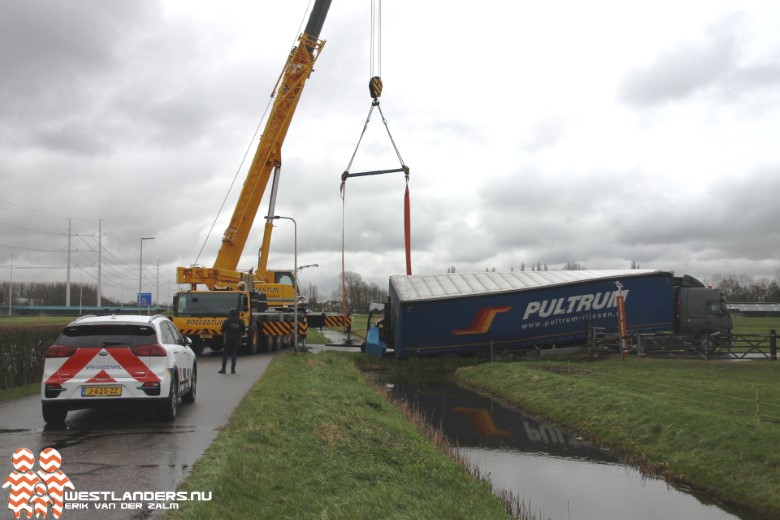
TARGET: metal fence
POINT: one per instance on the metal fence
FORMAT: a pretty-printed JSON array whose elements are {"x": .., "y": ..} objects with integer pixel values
[{"x": 737, "y": 346}]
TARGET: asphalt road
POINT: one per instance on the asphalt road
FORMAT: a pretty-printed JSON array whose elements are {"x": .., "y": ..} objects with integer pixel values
[{"x": 128, "y": 450}]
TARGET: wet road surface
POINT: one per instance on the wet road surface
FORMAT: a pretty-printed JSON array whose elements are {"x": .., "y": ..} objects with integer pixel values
[{"x": 129, "y": 450}]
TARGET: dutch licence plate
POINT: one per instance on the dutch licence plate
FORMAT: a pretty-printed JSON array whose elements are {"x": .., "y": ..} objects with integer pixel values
[{"x": 101, "y": 391}]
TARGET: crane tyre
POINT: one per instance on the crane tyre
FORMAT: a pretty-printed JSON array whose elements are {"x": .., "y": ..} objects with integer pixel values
[{"x": 264, "y": 343}]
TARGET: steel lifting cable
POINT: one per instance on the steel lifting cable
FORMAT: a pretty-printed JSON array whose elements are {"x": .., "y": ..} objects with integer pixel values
[{"x": 375, "y": 90}]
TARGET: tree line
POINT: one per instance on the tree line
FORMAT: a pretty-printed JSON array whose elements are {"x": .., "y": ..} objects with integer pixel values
[
  {"x": 360, "y": 295},
  {"x": 743, "y": 288},
  {"x": 53, "y": 294}
]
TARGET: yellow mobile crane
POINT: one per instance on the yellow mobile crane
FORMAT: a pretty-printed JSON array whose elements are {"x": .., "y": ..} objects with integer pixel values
[{"x": 263, "y": 298}]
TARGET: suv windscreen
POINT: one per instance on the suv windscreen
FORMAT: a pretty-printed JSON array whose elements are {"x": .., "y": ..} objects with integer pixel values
[{"x": 107, "y": 336}]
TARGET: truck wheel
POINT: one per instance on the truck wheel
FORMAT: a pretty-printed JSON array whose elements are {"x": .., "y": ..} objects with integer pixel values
[
  {"x": 277, "y": 343},
  {"x": 197, "y": 345},
  {"x": 168, "y": 407},
  {"x": 54, "y": 413},
  {"x": 708, "y": 344}
]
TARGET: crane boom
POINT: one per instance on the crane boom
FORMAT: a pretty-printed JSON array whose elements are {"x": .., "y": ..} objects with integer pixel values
[
  {"x": 268, "y": 302},
  {"x": 268, "y": 157}
]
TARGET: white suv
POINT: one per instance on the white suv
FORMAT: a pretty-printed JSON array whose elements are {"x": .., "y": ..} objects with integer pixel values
[{"x": 113, "y": 360}]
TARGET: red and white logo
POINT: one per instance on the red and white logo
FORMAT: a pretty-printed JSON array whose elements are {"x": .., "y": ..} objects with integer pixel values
[{"x": 33, "y": 492}]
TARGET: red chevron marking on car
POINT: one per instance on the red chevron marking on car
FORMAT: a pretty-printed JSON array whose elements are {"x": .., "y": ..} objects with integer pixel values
[
  {"x": 102, "y": 377},
  {"x": 134, "y": 367}
]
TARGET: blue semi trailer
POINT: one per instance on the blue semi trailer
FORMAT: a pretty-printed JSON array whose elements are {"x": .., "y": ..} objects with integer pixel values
[{"x": 463, "y": 313}]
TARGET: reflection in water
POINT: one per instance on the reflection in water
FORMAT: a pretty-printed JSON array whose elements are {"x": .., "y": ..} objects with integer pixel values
[{"x": 552, "y": 471}]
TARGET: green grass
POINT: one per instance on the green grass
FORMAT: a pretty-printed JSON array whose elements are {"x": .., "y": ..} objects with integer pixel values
[
  {"x": 19, "y": 391},
  {"x": 694, "y": 422},
  {"x": 313, "y": 440},
  {"x": 359, "y": 323},
  {"x": 315, "y": 337},
  {"x": 35, "y": 320},
  {"x": 744, "y": 325}
]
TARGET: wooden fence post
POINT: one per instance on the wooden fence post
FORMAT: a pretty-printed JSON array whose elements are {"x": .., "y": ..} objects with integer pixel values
[{"x": 773, "y": 345}]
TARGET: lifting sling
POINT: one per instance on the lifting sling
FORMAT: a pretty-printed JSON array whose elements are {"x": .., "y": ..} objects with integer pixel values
[{"x": 375, "y": 90}]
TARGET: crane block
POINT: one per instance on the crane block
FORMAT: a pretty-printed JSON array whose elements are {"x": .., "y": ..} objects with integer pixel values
[{"x": 375, "y": 87}]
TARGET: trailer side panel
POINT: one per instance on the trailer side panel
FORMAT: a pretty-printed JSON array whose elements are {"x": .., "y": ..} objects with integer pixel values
[{"x": 545, "y": 315}]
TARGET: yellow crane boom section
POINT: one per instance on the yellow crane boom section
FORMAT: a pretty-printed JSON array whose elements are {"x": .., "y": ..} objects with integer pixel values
[{"x": 297, "y": 70}]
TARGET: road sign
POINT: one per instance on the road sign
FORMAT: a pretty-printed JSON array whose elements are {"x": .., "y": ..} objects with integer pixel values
[{"x": 145, "y": 299}]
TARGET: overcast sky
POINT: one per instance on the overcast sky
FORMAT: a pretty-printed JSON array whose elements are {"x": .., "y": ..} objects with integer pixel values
[{"x": 593, "y": 132}]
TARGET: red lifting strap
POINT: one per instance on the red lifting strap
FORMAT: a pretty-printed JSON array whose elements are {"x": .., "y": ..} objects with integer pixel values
[{"x": 407, "y": 230}]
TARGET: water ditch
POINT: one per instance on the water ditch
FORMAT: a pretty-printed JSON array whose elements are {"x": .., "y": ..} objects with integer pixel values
[{"x": 554, "y": 473}]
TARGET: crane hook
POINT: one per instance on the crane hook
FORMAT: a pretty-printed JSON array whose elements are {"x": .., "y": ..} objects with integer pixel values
[{"x": 375, "y": 88}]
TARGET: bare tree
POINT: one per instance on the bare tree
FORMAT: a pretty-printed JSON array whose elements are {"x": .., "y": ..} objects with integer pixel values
[{"x": 312, "y": 294}]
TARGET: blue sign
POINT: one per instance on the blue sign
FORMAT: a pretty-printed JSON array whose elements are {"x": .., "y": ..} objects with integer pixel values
[{"x": 145, "y": 299}]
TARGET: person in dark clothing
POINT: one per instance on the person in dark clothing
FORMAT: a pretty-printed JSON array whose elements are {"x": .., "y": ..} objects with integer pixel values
[{"x": 232, "y": 332}]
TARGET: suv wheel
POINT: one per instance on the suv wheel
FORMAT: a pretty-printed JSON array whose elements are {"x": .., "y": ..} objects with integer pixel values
[
  {"x": 54, "y": 413},
  {"x": 189, "y": 397},
  {"x": 167, "y": 411}
]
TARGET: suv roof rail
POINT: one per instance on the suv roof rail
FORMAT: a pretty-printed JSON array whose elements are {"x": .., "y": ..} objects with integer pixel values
[
  {"x": 85, "y": 316},
  {"x": 152, "y": 318}
]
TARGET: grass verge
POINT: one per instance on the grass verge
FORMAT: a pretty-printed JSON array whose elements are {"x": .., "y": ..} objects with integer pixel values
[
  {"x": 714, "y": 426},
  {"x": 313, "y": 440},
  {"x": 15, "y": 321},
  {"x": 19, "y": 391}
]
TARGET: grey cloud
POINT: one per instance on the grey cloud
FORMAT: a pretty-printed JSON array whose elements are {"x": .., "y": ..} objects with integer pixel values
[
  {"x": 73, "y": 44},
  {"x": 534, "y": 217},
  {"x": 685, "y": 69}
]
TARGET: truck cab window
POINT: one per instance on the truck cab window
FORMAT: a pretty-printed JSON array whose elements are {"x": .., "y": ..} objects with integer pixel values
[
  {"x": 284, "y": 278},
  {"x": 716, "y": 308}
]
